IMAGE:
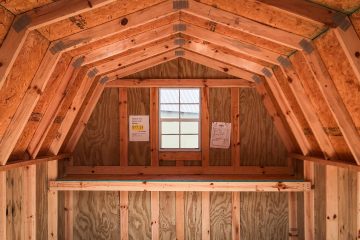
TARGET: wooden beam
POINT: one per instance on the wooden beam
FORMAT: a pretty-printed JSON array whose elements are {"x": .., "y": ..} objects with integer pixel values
[
  {"x": 124, "y": 123},
  {"x": 205, "y": 215},
  {"x": 211, "y": 83},
  {"x": 332, "y": 203},
  {"x": 124, "y": 215},
  {"x": 3, "y": 205},
  {"x": 178, "y": 170},
  {"x": 322, "y": 161},
  {"x": 180, "y": 156},
  {"x": 358, "y": 207},
  {"x": 304, "y": 9},
  {"x": 154, "y": 215},
  {"x": 293, "y": 225},
  {"x": 24, "y": 163},
  {"x": 29, "y": 195},
  {"x": 309, "y": 203},
  {"x": 210, "y": 186},
  {"x": 180, "y": 215},
  {"x": 235, "y": 125},
  {"x": 37, "y": 18},
  {"x": 69, "y": 215},
  {"x": 154, "y": 127},
  {"x": 334, "y": 101},
  {"x": 235, "y": 215},
  {"x": 243, "y": 24},
  {"x": 52, "y": 203}
]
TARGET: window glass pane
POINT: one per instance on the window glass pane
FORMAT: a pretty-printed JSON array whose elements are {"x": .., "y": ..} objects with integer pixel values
[
  {"x": 189, "y": 127},
  {"x": 170, "y": 127},
  {"x": 169, "y": 95},
  {"x": 189, "y": 111},
  {"x": 169, "y": 141},
  {"x": 189, "y": 95},
  {"x": 169, "y": 111},
  {"x": 189, "y": 141}
]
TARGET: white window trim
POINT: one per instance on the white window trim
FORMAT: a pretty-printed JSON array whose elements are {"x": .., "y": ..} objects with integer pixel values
[{"x": 180, "y": 120}]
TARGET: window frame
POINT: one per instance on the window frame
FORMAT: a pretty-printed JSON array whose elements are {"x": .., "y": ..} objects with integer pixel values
[{"x": 179, "y": 120}]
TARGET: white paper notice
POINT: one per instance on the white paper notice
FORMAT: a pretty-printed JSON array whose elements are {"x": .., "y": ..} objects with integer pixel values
[
  {"x": 220, "y": 135},
  {"x": 139, "y": 128}
]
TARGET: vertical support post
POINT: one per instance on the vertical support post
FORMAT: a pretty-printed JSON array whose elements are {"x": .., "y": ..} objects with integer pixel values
[
  {"x": 69, "y": 215},
  {"x": 124, "y": 215},
  {"x": 235, "y": 215},
  {"x": 235, "y": 125},
  {"x": 358, "y": 206},
  {"x": 155, "y": 215},
  {"x": 123, "y": 114},
  {"x": 29, "y": 193},
  {"x": 154, "y": 127},
  {"x": 179, "y": 208},
  {"x": 3, "y": 205},
  {"x": 309, "y": 203},
  {"x": 293, "y": 224},
  {"x": 52, "y": 203},
  {"x": 205, "y": 214},
  {"x": 332, "y": 203},
  {"x": 205, "y": 135}
]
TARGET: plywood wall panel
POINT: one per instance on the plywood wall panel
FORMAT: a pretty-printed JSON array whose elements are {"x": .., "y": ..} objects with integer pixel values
[
  {"x": 139, "y": 215},
  {"x": 14, "y": 204},
  {"x": 264, "y": 216},
  {"x": 192, "y": 215},
  {"x": 167, "y": 216},
  {"x": 320, "y": 196},
  {"x": 20, "y": 76},
  {"x": 99, "y": 144},
  {"x": 96, "y": 215},
  {"x": 220, "y": 111},
  {"x": 139, "y": 104},
  {"x": 260, "y": 142},
  {"x": 220, "y": 215}
]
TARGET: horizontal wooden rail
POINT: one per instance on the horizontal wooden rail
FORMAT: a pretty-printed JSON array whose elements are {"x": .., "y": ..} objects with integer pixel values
[
  {"x": 180, "y": 156},
  {"x": 209, "y": 186},
  {"x": 322, "y": 161},
  {"x": 181, "y": 82},
  {"x": 133, "y": 170},
  {"x": 23, "y": 163}
]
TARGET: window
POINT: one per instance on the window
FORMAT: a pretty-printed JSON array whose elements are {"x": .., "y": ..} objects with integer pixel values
[{"x": 179, "y": 118}]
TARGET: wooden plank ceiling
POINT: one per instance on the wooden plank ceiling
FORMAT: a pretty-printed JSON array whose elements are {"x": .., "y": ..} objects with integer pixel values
[{"x": 303, "y": 58}]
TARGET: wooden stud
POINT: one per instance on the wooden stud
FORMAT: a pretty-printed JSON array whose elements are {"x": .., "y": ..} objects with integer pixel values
[
  {"x": 154, "y": 127},
  {"x": 332, "y": 203},
  {"x": 124, "y": 130},
  {"x": 2, "y": 205},
  {"x": 182, "y": 186},
  {"x": 52, "y": 203},
  {"x": 180, "y": 215},
  {"x": 323, "y": 161},
  {"x": 309, "y": 203},
  {"x": 29, "y": 193},
  {"x": 293, "y": 225},
  {"x": 69, "y": 215},
  {"x": 205, "y": 215},
  {"x": 154, "y": 215},
  {"x": 24, "y": 163},
  {"x": 235, "y": 125},
  {"x": 358, "y": 207},
  {"x": 205, "y": 127},
  {"x": 124, "y": 215},
  {"x": 235, "y": 214},
  {"x": 211, "y": 83},
  {"x": 335, "y": 103}
]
